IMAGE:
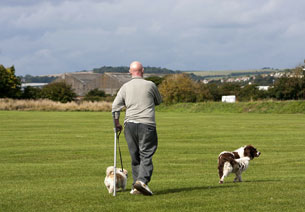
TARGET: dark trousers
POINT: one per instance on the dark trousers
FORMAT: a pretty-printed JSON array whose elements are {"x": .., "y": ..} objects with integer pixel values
[{"x": 142, "y": 143}]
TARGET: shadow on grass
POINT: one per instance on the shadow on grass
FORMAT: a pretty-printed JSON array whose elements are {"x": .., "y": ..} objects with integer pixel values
[
  {"x": 260, "y": 181},
  {"x": 226, "y": 185},
  {"x": 177, "y": 190}
]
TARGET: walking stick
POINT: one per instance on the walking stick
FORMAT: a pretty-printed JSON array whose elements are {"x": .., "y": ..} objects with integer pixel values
[{"x": 114, "y": 165}]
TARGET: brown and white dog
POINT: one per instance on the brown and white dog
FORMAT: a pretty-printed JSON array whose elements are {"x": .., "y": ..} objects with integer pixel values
[
  {"x": 121, "y": 179},
  {"x": 236, "y": 162}
]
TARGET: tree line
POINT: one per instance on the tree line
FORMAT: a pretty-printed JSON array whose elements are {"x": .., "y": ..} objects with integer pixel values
[
  {"x": 37, "y": 79},
  {"x": 10, "y": 87},
  {"x": 174, "y": 88},
  {"x": 182, "y": 88}
]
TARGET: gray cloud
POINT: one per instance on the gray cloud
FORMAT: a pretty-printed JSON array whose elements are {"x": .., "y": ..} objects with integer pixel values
[{"x": 41, "y": 37}]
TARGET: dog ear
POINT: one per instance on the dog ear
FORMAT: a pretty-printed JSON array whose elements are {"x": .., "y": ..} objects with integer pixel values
[
  {"x": 109, "y": 170},
  {"x": 247, "y": 151}
]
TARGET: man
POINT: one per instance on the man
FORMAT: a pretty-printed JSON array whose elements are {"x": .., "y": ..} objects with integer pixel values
[{"x": 139, "y": 96}]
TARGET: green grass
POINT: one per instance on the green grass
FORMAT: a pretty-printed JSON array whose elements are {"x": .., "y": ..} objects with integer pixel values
[
  {"x": 269, "y": 107},
  {"x": 56, "y": 161}
]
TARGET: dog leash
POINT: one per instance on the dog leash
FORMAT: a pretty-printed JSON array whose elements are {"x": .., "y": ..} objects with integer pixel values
[{"x": 118, "y": 140}]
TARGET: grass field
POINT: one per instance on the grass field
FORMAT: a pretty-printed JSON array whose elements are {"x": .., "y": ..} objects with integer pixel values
[{"x": 56, "y": 161}]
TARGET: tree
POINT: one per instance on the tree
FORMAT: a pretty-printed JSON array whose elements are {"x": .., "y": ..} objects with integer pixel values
[
  {"x": 42, "y": 79},
  {"x": 287, "y": 88},
  {"x": 204, "y": 93},
  {"x": 230, "y": 89},
  {"x": 58, "y": 91},
  {"x": 10, "y": 84},
  {"x": 214, "y": 90},
  {"x": 157, "y": 80},
  {"x": 178, "y": 88},
  {"x": 250, "y": 93},
  {"x": 264, "y": 81}
]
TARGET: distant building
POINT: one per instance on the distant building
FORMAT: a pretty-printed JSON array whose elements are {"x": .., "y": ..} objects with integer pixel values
[
  {"x": 112, "y": 82},
  {"x": 36, "y": 85},
  {"x": 263, "y": 88},
  {"x": 228, "y": 99},
  {"x": 83, "y": 82},
  {"x": 205, "y": 81}
]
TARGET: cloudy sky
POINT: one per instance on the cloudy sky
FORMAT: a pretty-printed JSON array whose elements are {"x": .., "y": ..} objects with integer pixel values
[{"x": 55, "y": 36}]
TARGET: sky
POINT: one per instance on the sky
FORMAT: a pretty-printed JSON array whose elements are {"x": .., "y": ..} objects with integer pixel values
[{"x": 42, "y": 37}]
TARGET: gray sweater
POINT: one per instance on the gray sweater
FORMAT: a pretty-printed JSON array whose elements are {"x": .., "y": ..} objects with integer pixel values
[{"x": 139, "y": 96}]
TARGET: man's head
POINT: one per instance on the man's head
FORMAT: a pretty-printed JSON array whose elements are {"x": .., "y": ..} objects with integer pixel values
[{"x": 136, "y": 69}]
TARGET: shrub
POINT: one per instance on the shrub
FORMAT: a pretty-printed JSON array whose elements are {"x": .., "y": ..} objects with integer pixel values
[
  {"x": 31, "y": 93},
  {"x": 178, "y": 88},
  {"x": 58, "y": 91},
  {"x": 286, "y": 88},
  {"x": 157, "y": 80},
  {"x": 96, "y": 95},
  {"x": 49, "y": 105},
  {"x": 229, "y": 88},
  {"x": 204, "y": 93}
]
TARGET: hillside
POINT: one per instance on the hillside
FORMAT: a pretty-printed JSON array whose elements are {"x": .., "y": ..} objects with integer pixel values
[
  {"x": 103, "y": 69},
  {"x": 125, "y": 69},
  {"x": 196, "y": 75},
  {"x": 263, "y": 77},
  {"x": 216, "y": 74}
]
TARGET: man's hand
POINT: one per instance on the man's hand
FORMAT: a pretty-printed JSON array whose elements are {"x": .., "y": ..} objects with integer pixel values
[{"x": 118, "y": 126}]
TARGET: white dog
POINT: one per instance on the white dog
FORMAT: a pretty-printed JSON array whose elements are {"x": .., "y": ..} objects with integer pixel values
[{"x": 121, "y": 179}]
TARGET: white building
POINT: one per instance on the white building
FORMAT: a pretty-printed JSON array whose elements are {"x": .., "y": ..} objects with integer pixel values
[
  {"x": 263, "y": 88},
  {"x": 36, "y": 85},
  {"x": 228, "y": 99}
]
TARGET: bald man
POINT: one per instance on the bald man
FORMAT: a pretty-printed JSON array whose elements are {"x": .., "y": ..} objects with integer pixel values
[{"x": 139, "y": 96}]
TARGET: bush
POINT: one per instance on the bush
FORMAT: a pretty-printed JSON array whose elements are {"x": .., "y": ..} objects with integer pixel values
[
  {"x": 58, "y": 91},
  {"x": 179, "y": 88},
  {"x": 31, "y": 93},
  {"x": 214, "y": 91},
  {"x": 229, "y": 88},
  {"x": 204, "y": 93},
  {"x": 96, "y": 92},
  {"x": 157, "y": 80},
  {"x": 286, "y": 88},
  {"x": 95, "y": 95},
  {"x": 249, "y": 92}
]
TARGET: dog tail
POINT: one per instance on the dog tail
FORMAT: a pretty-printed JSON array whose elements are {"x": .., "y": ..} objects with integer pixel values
[{"x": 220, "y": 168}]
